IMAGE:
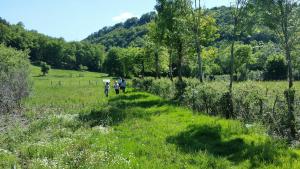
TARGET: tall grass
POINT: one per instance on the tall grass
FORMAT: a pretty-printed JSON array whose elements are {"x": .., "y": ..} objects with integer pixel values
[
  {"x": 75, "y": 126},
  {"x": 253, "y": 102}
]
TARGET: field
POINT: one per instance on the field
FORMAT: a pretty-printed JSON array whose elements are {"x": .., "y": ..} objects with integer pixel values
[{"x": 71, "y": 124}]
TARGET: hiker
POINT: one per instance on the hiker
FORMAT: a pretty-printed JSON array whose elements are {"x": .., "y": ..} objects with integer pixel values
[
  {"x": 117, "y": 87},
  {"x": 120, "y": 81},
  {"x": 106, "y": 90},
  {"x": 123, "y": 85}
]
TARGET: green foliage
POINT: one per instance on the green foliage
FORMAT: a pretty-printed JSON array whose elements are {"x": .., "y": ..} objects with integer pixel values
[
  {"x": 45, "y": 68},
  {"x": 163, "y": 88},
  {"x": 276, "y": 68},
  {"x": 75, "y": 126},
  {"x": 83, "y": 68},
  {"x": 250, "y": 102},
  {"x": 122, "y": 35},
  {"x": 14, "y": 78},
  {"x": 56, "y": 52}
]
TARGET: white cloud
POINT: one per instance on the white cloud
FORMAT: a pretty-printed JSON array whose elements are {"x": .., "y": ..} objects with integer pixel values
[{"x": 123, "y": 17}]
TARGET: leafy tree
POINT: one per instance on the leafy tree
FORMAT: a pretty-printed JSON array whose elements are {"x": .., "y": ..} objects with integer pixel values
[
  {"x": 276, "y": 67},
  {"x": 45, "y": 68},
  {"x": 282, "y": 16},
  {"x": 112, "y": 63}
]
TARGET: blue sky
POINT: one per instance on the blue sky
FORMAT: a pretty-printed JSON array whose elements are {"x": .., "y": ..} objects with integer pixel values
[{"x": 76, "y": 19}]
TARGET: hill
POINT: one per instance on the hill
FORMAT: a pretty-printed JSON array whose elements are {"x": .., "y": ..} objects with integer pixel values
[
  {"x": 55, "y": 51},
  {"x": 132, "y": 31},
  {"x": 129, "y": 33}
]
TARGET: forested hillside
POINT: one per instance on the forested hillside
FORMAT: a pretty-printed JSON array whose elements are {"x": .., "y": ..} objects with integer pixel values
[
  {"x": 55, "y": 51},
  {"x": 129, "y": 33},
  {"x": 257, "y": 49},
  {"x": 133, "y": 30}
]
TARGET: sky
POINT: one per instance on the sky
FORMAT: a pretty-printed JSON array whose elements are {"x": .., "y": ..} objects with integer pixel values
[{"x": 74, "y": 20}]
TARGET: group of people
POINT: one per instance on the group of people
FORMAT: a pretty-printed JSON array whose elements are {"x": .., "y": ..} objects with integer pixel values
[{"x": 118, "y": 85}]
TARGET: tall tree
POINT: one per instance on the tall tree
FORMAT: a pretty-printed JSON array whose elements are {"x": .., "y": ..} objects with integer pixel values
[
  {"x": 157, "y": 32},
  {"x": 241, "y": 17},
  {"x": 239, "y": 14},
  {"x": 197, "y": 17},
  {"x": 282, "y": 16},
  {"x": 165, "y": 10}
]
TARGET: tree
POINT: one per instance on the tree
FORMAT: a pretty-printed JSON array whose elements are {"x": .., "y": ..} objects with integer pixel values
[
  {"x": 45, "y": 68},
  {"x": 240, "y": 18},
  {"x": 14, "y": 78},
  {"x": 276, "y": 67},
  {"x": 282, "y": 16},
  {"x": 112, "y": 63},
  {"x": 165, "y": 10},
  {"x": 197, "y": 17},
  {"x": 239, "y": 15},
  {"x": 156, "y": 36}
]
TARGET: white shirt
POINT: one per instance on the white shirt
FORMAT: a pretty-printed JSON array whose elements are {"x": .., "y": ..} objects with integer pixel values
[{"x": 116, "y": 86}]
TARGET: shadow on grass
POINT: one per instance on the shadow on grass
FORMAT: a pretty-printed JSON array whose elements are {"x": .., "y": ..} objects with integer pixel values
[
  {"x": 119, "y": 108},
  {"x": 208, "y": 138},
  {"x": 131, "y": 97},
  {"x": 38, "y": 76},
  {"x": 103, "y": 116},
  {"x": 134, "y": 100}
]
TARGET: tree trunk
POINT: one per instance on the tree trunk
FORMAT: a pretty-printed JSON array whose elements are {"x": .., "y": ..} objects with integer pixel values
[
  {"x": 200, "y": 75},
  {"x": 157, "y": 63},
  {"x": 231, "y": 66},
  {"x": 290, "y": 93},
  {"x": 180, "y": 86},
  {"x": 198, "y": 47},
  {"x": 171, "y": 64},
  {"x": 180, "y": 60}
]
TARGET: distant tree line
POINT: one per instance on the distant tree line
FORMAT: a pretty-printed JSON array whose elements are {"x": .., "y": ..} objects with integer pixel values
[{"x": 54, "y": 51}]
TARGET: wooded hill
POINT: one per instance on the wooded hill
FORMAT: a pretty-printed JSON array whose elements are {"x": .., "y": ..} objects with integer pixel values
[
  {"x": 129, "y": 33},
  {"x": 132, "y": 32}
]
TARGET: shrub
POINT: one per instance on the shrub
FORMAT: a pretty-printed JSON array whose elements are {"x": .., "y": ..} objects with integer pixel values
[
  {"x": 45, "y": 68},
  {"x": 142, "y": 84},
  {"x": 276, "y": 68},
  {"x": 14, "y": 78},
  {"x": 163, "y": 87},
  {"x": 248, "y": 99},
  {"x": 83, "y": 68},
  {"x": 204, "y": 97}
]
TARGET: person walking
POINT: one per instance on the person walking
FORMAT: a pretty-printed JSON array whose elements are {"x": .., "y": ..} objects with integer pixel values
[
  {"x": 117, "y": 87},
  {"x": 106, "y": 89},
  {"x": 120, "y": 81},
  {"x": 123, "y": 85}
]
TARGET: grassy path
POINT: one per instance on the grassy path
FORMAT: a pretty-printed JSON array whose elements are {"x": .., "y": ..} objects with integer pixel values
[{"x": 72, "y": 125}]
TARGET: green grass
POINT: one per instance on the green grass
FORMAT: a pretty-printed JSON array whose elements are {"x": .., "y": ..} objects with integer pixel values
[{"x": 72, "y": 125}]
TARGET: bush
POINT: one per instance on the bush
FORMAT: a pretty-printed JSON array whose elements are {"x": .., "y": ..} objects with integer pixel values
[
  {"x": 250, "y": 101},
  {"x": 163, "y": 87},
  {"x": 276, "y": 68},
  {"x": 14, "y": 78},
  {"x": 204, "y": 97},
  {"x": 142, "y": 84},
  {"x": 45, "y": 68},
  {"x": 83, "y": 68}
]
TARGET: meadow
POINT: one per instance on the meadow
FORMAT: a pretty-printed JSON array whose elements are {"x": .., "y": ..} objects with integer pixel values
[{"x": 71, "y": 124}]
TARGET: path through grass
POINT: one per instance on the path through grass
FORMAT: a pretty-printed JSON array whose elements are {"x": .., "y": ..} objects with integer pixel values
[{"x": 75, "y": 126}]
